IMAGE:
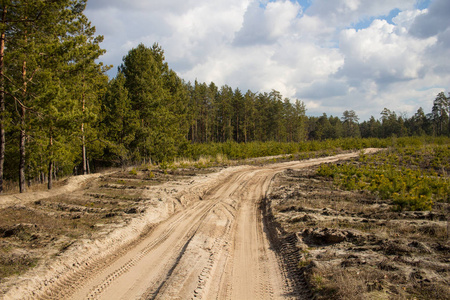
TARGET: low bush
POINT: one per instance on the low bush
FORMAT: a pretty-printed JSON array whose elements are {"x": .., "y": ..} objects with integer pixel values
[{"x": 413, "y": 177}]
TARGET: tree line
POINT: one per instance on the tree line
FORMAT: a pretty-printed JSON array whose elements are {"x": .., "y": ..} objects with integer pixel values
[
  {"x": 49, "y": 87},
  {"x": 60, "y": 113},
  {"x": 435, "y": 123}
]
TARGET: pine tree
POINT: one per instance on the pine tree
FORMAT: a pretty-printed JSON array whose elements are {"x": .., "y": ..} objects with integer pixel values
[
  {"x": 237, "y": 120},
  {"x": 441, "y": 114},
  {"x": 248, "y": 124},
  {"x": 225, "y": 113},
  {"x": 46, "y": 44},
  {"x": 25, "y": 40},
  {"x": 87, "y": 76},
  {"x": 119, "y": 122},
  {"x": 160, "y": 98},
  {"x": 350, "y": 122},
  {"x": 300, "y": 130}
]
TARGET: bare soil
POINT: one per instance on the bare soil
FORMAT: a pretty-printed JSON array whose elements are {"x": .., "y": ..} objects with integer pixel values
[
  {"x": 352, "y": 245},
  {"x": 241, "y": 232}
]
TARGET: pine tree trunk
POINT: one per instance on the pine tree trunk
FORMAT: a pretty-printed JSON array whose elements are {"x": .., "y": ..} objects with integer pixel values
[
  {"x": 83, "y": 151},
  {"x": 230, "y": 130},
  {"x": 83, "y": 138},
  {"x": 245, "y": 134},
  {"x": 217, "y": 138},
  {"x": 50, "y": 177},
  {"x": 22, "y": 152},
  {"x": 22, "y": 131},
  {"x": 50, "y": 165},
  {"x": 196, "y": 130},
  {"x": 237, "y": 129},
  {"x": 207, "y": 127},
  {"x": 2, "y": 103},
  {"x": 245, "y": 127}
]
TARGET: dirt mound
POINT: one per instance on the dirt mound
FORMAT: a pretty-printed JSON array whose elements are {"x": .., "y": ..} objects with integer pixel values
[{"x": 324, "y": 236}]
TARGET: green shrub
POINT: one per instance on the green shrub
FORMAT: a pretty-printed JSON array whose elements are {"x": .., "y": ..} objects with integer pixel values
[{"x": 405, "y": 175}]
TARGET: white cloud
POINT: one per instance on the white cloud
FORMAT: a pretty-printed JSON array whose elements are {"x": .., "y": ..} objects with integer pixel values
[
  {"x": 313, "y": 28},
  {"x": 434, "y": 21},
  {"x": 382, "y": 53},
  {"x": 201, "y": 31},
  {"x": 264, "y": 25},
  {"x": 280, "y": 16},
  {"x": 314, "y": 53},
  {"x": 406, "y": 18},
  {"x": 323, "y": 89},
  {"x": 142, "y": 5},
  {"x": 347, "y": 12}
]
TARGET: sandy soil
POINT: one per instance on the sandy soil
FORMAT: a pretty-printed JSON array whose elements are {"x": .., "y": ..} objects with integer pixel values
[
  {"x": 203, "y": 238},
  {"x": 73, "y": 183},
  {"x": 353, "y": 245}
]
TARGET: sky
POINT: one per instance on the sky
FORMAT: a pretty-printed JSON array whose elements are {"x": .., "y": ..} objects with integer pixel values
[{"x": 334, "y": 55}]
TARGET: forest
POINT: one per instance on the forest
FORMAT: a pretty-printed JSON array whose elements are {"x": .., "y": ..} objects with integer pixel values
[{"x": 60, "y": 114}]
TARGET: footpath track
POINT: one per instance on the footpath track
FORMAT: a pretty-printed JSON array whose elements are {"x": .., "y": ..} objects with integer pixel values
[{"x": 216, "y": 248}]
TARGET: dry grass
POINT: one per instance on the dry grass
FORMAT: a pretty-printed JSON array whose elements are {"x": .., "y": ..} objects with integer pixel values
[
  {"x": 334, "y": 282},
  {"x": 32, "y": 231},
  {"x": 14, "y": 264},
  {"x": 12, "y": 187}
]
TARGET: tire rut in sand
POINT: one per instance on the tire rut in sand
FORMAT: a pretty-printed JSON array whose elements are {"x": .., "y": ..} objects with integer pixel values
[
  {"x": 288, "y": 253},
  {"x": 222, "y": 247},
  {"x": 251, "y": 270},
  {"x": 181, "y": 232},
  {"x": 124, "y": 260},
  {"x": 190, "y": 275}
]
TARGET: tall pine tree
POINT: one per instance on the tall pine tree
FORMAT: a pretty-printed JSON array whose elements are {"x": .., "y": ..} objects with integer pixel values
[{"x": 159, "y": 97}]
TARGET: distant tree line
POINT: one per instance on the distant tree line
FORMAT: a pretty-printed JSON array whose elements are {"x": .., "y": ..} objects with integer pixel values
[
  {"x": 435, "y": 123},
  {"x": 60, "y": 114},
  {"x": 220, "y": 115}
]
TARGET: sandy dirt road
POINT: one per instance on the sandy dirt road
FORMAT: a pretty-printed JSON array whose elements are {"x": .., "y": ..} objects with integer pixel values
[{"x": 216, "y": 248}]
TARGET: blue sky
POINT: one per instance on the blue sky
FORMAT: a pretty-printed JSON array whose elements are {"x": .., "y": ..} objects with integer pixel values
[{"x": 333, "y": 55}]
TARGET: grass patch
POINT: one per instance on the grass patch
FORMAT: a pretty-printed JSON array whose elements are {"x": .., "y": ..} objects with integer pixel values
[{"x": 14, "y": 264}]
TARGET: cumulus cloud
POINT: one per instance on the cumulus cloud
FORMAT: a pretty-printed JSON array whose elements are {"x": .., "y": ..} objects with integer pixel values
[
  {"x": 383, "y": 53},
  {"x": 344, "y": 54},
  {"x": 433, "y": 22},
  {"x": 406, "y": 18},
  {"x": 266, "y": 24},
  {"x": 187, "y": 30},
  {"x": 347, "y": 12},
  {"x": 142, "y": 5},
  {"x": 324, "y": 89}
]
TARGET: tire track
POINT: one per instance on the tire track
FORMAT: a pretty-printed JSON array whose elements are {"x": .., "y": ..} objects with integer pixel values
[
  {"x": 222, "y": 247},
  {"x": 168, "y": 283},
  {"x": 96, "y": 291},
  {"x": 168, "y": 250},
  {"x": 288, "y": 254}
]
